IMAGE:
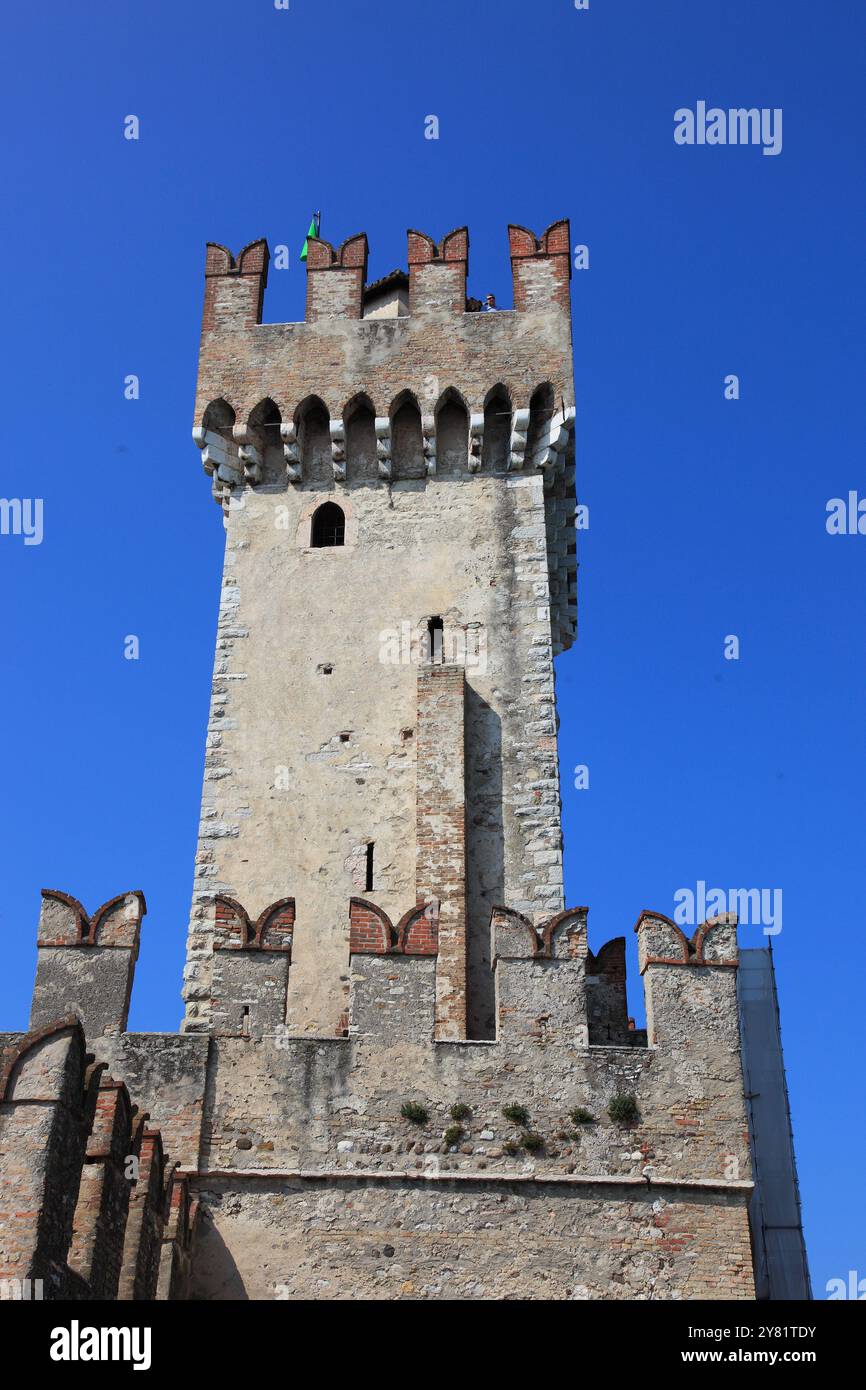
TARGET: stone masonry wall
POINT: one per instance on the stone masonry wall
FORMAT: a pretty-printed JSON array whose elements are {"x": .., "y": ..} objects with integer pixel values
[
  {"x": 314, "y": 1183},
  {"x": 89, "y": 1207},
  {"x": 304, "y": 768},
  {"x": 306, "y": 1162},
  {"x": 340, "y": 1238}
]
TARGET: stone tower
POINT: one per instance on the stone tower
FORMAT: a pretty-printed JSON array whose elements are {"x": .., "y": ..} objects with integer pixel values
[
  {"x": 397, "y": 478},
  {"x": 402, "y": 1072}
]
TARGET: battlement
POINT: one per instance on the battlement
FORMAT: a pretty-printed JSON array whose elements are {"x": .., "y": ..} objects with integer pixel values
[
  {"x": 89, "y": 1204},
  {"x": 677, "y": 997},
  {"x": 371, "y": 931},
  {"x": 250, "y": 989},
  {"x": 337, "y": 276},
  {"x": 542, "y": 970},
  {"x": 249, "y": 1102},
  {"x": 87, "y": 961},
  {"x": 335, "y": 279},
  {"x": 344, "y": 398}
]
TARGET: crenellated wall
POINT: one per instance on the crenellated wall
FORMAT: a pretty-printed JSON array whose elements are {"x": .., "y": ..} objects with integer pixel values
[
  {"x": 87, "y": 961},
  {"x": 89, "y": 1208},
  {"x": 274, "y": 1131},
  {"x": 305, "y": 1193},
  {"x": 322, "y": 405}
]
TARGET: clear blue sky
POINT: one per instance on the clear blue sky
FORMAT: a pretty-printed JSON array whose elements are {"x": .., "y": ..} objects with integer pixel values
[{"x": 707, "y": 516}]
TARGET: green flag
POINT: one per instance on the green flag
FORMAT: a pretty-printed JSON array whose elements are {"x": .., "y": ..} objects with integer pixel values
[{"x": 313, "y": 231}]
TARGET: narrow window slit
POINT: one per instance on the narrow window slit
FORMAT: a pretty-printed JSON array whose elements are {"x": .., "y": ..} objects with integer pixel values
[
  {"x": 369, "y": 879},
  {"x": 435, "y": 633}
]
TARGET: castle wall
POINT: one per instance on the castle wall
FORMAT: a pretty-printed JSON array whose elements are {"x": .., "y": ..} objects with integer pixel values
[
  {"x": 315, "y": 1182},
  {"x": 308, "y": 1169},
  {"x": 88, "y": 1207},
  {"x": 167, "y": 1073},
  {"x": 339, "y": 1238},
  {"x": 42, "y": 1136}
]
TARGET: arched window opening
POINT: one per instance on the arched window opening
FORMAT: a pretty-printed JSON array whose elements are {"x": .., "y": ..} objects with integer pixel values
[
  {"x": 264, "y": 424},
  {"x": 407, "y": 447},
  {"x": 329, "y": 525},
  {"x": 314, "y": 436},
  {"x": 266, "y": 419},
  {"x": 540, "y": 414},
  {"x": 265, "y": 415},
  {"x": 220, "y": 418},
  {"x": 497, "y": 431},
  {"x": 452, "y": 434},
  {"x": 360, "y": 423}
]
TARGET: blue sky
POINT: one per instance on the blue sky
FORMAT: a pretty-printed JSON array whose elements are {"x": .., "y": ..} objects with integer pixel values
[{"x": 707, "y": 516}]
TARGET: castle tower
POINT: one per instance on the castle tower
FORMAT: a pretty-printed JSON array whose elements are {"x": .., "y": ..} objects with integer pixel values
[
  {"x": 403, "y": 1072},
  {"x": 397, "y": 479}
]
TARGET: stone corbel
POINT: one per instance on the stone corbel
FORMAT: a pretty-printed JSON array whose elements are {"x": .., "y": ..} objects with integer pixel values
[
  {"x": 220, "y": 460},
  {"x": 250, "y": 453},
  {"x": 338, "y": 450},
  {"x": 383, "y": 445},
  {"x": 428, "y": 432},
  {"x": 519, "y": 432},
  {"x": 550, "y": 453},
  {"x": 291, "y": 452},
  {"x": 476, "y": 441}
]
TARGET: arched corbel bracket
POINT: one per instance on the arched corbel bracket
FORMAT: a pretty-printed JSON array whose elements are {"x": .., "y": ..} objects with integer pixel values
[
  {"x": 291, "y": 452},
  {"x": 250, "y": 453},
  {"x": 338, "y": 450},
  {"x": 428, "y": 434},
  {"x": 519, "y": 433},
  {"x": 383, "y": 445},
  {"x": 476, "y": 440},
  {"x": 221, "y": 462},
  {"x": 549, "y": 454}
]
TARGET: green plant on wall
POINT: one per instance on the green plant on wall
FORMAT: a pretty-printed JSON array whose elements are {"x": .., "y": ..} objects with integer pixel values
[
  {"x": 623, "y": 1108},
  {"x": 518, "y": 1114},
  {"x": 410, "y": 1110}
]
